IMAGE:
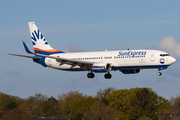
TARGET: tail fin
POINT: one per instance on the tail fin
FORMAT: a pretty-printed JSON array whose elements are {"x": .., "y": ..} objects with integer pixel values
[{"x": 40, "y": 44}]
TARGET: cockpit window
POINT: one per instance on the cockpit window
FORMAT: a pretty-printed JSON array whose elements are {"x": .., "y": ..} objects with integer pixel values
[{"x": 164, "y": 55}]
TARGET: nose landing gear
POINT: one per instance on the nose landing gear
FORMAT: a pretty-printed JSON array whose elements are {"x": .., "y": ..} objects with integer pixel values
[
  {"x": 159, "y": 73},
  {"x": 161, "y": 68}
]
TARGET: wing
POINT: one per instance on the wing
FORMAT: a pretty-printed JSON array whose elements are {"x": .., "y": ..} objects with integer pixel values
[{"x": 83, "y": 64}]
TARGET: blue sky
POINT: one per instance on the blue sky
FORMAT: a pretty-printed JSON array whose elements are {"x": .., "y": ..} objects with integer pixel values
[{"x": 87, "y": 26}]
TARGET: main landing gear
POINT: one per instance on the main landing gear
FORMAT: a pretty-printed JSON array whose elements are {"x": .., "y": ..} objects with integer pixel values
[
  {"x": 108, "y": 76},
  {"x": 159, "y": 73},
  {"x": 90, "y": 75}
]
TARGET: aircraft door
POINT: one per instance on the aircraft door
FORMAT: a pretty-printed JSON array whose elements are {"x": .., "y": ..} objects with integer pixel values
[{"x": 152, "y": 56}]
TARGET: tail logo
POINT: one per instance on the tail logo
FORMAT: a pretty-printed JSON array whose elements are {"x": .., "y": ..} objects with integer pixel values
[{"x": 37, "y": 37}]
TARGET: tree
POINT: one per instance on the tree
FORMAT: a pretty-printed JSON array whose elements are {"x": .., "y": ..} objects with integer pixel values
[
  {"x": 51, "y": 108},
  {"x": 144, "y": 118},
  {"x": 11, "y": 105},
  {"x": 79, "y": 106},
  {"x": 99, "y": 111},
  {"x": 134, "y": 113},
  {"x": 146, "y": 99},
  {"x": 16, "y": 114},
  {"x": 79, "y": 116},
  {"x": 6, "y": 102},
  {"x": 175, "y": 105},
  {"x": 137, "y": 103},
  {"x": 121, "y": 100},
  {"x": 163, "y": 106},
  {"x": 34, "y": 103},
  {"x": 66, "y": 101},
  {"x": 102, "y": 95}
]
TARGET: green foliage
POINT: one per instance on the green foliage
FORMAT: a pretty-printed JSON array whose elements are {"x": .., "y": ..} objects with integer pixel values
[
  {"x": 66, "y": 101},
  {"x": 175, "y": 105},
  {"x": 102, "y": 95},
  {"x": 124, "y": 104},
  {"x": 121, "y": 100},
  {"x": 79, "y": 106},
  {"x": 135, "y": 113},
  {"x": 78, "y": 116},
  {"x": 51, "y": 108},
  {"x": 144, "y": 118},
  {"x": 6, "y": 102},
  {"x": 99, "y": 111},
  {"x": 147, "y": 102},
  {"x": 11, "y": 105},
  {"x": 155, "y": 117},
  {"x": 163, "y": 105},
  {"x": 34, "y": 103},
  {"x": 137, "y": 102}
]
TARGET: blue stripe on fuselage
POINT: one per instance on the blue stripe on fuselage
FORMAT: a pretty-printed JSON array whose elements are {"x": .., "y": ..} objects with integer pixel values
[
  {"x": 121, "y": 67},
  {"x": 74, "y": 69},
  {"x": 137, "y": 67}
]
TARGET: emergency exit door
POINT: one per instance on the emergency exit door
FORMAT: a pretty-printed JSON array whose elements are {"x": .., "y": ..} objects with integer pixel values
[{"x": 152, "y": 56}]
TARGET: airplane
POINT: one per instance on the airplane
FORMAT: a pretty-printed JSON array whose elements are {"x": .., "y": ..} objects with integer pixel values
[{"x": 126, "y": 61}]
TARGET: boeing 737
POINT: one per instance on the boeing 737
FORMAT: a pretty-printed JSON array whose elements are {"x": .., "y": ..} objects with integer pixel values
[{"x": 126, "y": 61}]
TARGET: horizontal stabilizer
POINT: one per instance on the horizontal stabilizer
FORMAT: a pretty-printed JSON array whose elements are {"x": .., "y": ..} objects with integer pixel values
[{"x": 25, "y": 56}]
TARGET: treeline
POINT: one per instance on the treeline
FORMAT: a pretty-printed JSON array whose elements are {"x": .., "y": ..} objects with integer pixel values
[{"x": 107, "y": 104}]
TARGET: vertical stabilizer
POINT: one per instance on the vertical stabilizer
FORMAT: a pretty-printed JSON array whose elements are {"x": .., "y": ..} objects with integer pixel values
[{"x": 40, "y": 44}]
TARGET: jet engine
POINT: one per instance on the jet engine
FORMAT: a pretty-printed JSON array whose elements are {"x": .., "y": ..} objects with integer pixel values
[{"x": 130, "y": 71}]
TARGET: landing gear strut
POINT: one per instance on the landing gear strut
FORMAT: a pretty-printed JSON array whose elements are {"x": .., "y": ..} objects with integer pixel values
[
  {"x": 159, "y": 73},
  {"x": 90, "y": 75},
  {"x": 108, "y": 76}
]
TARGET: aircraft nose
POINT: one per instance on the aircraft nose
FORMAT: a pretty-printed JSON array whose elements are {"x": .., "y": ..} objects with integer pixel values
[{"x": 173, "y": 60}]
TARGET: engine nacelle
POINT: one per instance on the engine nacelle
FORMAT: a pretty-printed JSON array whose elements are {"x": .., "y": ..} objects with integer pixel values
[
  {"x": 130, "y": 71},
  {"x": 101, "y": 67}
]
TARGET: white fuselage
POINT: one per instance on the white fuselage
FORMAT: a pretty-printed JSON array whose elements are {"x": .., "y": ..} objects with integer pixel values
[{"x": 119, "y": 60}]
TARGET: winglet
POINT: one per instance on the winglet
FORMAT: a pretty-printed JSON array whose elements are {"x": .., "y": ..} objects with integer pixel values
[
  {"x": 26, "y": 48},
  {"x": 128, "y": 48}
]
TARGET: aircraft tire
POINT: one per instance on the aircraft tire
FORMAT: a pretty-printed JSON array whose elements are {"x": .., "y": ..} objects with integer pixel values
[
  {"x": 90, "y": 75},
  {"x": 159, "y": 73},
  {"x": 107, "y": 76}
]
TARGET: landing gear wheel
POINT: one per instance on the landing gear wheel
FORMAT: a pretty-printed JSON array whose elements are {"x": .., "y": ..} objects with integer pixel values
[
  {"x": 90, "y": 75},
  {"x": 108, "y": 76},
  {"x": 159, "y": 73}
]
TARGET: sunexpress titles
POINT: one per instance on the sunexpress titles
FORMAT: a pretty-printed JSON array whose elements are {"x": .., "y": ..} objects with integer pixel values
[{"x": 130, "y": 53}]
